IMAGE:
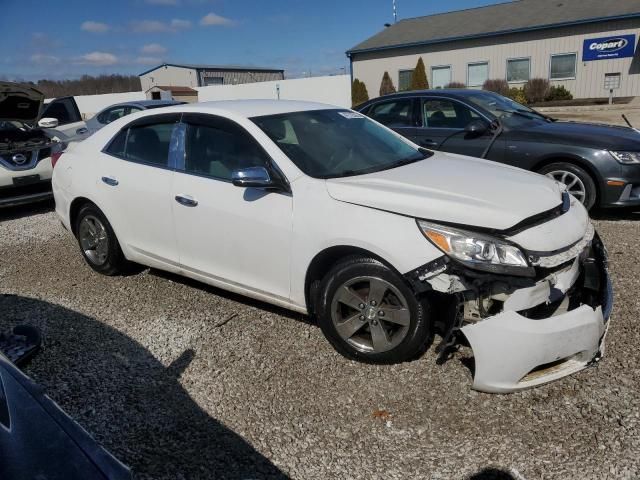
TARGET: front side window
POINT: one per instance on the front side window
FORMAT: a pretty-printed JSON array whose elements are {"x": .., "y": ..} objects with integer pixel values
[
  {"x": 396, "y": 113},
  {"x": 219, "y": 148},
  {"x": 148, "y": 144},
  {"x": 337, "y": 143},
  {"x": 477, "y": 74},
  {"x": 563, "y": 66},
  {"x": 518, "y": 69},
  {"x": 440, "y": 113},
  {"x": 404, "y": 80}
]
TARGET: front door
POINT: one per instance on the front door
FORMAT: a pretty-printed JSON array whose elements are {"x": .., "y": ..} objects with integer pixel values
[
  {"x": 443, "y": 128},
  {"x": 230, "y": 235}
]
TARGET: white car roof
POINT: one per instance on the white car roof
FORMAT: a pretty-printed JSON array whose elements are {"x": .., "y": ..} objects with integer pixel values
[{"x": 255, "y": 108}]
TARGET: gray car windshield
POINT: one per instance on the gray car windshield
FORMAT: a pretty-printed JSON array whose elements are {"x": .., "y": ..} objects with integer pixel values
[
  {"x": 337, "y": 143},
  {"x": 509, "y": 112}
]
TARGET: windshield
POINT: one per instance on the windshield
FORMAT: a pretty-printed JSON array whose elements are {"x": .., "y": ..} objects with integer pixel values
[
  {"x": 337, "y": 143},
  {"x": 510, "y": 113}
]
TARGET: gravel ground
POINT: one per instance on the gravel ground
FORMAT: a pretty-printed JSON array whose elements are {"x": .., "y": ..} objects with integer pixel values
[{"x": 180, "y": 380}]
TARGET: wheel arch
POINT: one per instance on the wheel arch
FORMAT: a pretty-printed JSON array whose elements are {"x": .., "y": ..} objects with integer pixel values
[
  {"x": 325, "y": 260},
  {"x": 578, "y": 162},
  {"x": 74, "y": 210}
]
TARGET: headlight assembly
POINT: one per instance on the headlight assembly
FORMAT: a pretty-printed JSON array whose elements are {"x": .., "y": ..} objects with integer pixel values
[
  {"x": 476, "y": 250},
  {"x": 626, "y": 158}
]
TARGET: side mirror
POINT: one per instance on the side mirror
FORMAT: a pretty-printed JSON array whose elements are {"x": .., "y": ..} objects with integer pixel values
[
  {"x": 48, "y": 123},
  {"x": 476, "y": 128},
  {"x": 253, "y": 177}
]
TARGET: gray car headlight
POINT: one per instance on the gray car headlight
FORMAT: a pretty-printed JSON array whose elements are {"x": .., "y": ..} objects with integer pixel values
[
  {"x": 477, "y": 250},
  {"x": 626, "y": 158}
]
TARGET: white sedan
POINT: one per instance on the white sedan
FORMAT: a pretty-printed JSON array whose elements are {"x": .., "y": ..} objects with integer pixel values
[{"x": 321, "y": 210}]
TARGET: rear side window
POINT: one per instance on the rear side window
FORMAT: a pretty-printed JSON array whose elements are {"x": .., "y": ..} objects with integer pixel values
[
  {"x": 147, "y": 144},
  {"x": 396, "y": 113}
]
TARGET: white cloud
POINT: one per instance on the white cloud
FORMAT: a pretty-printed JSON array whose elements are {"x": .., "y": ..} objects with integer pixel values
[
  {"x": 94, "y": 27},
  {"x": 153, "y": 49},
  {"x": 179, "y": 24},
  {"x": 43, "y": 59},
  {"x": 216, "y": 20},
  {"x": 97, "y": 59},
  {"x": 155, "y": 26},
  {"x": 148, "y": 60}
]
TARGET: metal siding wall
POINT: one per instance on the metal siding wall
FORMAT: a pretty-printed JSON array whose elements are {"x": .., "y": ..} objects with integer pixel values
[
  {"x": 170, "y": 76},
  {"x": 231, "y": 77},
  {"x": 539, "y": 45}
]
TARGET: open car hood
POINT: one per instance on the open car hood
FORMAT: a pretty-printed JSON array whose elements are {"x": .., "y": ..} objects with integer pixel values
[
  {"x": 453, "y": 189},
  {"x": 19, "y": 102}
]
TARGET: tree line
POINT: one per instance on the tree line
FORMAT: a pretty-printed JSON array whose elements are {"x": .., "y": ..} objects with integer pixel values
[{"x": 87, "y": 85}]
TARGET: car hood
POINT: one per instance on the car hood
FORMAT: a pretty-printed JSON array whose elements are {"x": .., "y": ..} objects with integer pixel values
[
  {"x": 605, "y": 137},
  {"x": 453, "y": 189},
  {"x": 19, "y": 102}
]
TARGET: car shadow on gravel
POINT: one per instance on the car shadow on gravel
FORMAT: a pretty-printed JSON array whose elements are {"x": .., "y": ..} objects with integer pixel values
[
  {"x": 132, "y": 403},
  {"x": 14, "y": 213},
  {"x": 492, "y": 474},
  {"x": 615, "y": 214}
]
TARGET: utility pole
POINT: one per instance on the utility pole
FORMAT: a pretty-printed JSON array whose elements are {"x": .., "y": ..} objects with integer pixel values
[{"x": 395, "y": 12}]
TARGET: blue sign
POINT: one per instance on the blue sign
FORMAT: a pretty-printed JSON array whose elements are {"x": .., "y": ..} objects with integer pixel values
[{"x": 605, "y": 48}]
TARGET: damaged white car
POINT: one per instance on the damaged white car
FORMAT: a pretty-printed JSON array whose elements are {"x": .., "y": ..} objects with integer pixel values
[{"x": 324, "y": 211}]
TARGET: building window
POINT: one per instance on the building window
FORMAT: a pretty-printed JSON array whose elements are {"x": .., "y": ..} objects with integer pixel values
[
  {"x": 213, "y": 81},
  {"x": 404, "y": 80},
  {"x": 563, "y": 66},
  {"x": 477, "y": 74},
  {"x": 440, "y": 77},
  {"x": 518, "y": 69}
]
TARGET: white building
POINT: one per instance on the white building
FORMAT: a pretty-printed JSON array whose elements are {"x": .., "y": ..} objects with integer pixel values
[{"x": 586, "y": 45}]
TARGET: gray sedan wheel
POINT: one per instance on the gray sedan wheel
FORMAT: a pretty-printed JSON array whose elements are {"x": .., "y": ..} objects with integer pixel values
[{"x": 579, "y": 183}]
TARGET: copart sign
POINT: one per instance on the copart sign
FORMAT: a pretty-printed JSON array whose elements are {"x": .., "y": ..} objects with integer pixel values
[{"x": 621, "y": 46}]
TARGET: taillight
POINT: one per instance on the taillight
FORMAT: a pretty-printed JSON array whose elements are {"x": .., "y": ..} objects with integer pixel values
[{"x": 55, "y": 156}]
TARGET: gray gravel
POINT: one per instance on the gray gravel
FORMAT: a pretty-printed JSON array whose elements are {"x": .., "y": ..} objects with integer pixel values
[{"x": 180, "y": 380}]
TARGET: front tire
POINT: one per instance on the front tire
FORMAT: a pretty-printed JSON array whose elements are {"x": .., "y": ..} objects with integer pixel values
[
  {"x": 579, "y": 183},
  {"x": 368, "y": 313},
  {"x": 98, "y": 242}
]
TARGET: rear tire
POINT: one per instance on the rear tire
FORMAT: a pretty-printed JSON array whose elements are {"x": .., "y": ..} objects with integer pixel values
[
  {"x": 368, "y": 313},
  {"x": 579, "y": 183},
  {"x": 98, "y": 242}
]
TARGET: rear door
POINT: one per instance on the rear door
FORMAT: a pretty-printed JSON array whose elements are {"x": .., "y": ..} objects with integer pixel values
[
  {"x": 399, "y": 114},
  {"x": 135, "y": 181}
]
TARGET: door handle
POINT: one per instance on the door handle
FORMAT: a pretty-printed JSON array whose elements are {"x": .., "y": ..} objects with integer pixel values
[
  {"x": 112, "y": 182},
  {"x": 82, "y": 130},
  {"x": 428, "y": 143},
  {"x": 186, "y": 200}
]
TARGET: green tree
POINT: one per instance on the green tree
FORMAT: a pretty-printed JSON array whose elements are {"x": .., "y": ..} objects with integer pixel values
[
  {"x": 387, "y": 87},
  {"x": 359, "y": 93},
  {"x": 419, "y": 78}
]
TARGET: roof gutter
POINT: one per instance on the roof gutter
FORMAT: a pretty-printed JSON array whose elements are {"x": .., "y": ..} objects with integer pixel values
[{"x": 492, "y": 34}]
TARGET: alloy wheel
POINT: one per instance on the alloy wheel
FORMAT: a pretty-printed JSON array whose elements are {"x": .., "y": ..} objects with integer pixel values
[
  {"x": 93, "y": 240},
  {"x": 370, "y": 314},
  {"x": 575, "y": 186}
]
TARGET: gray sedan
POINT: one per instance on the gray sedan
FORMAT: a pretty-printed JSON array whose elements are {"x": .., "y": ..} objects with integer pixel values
[{"x": 114, "y": 112}]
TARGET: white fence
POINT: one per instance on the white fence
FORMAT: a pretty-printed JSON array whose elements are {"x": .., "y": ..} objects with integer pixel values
[{"x": 334, "y": 90}]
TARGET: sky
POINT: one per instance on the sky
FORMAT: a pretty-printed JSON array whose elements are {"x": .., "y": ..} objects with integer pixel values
[{"x": 58, "y": 39}]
